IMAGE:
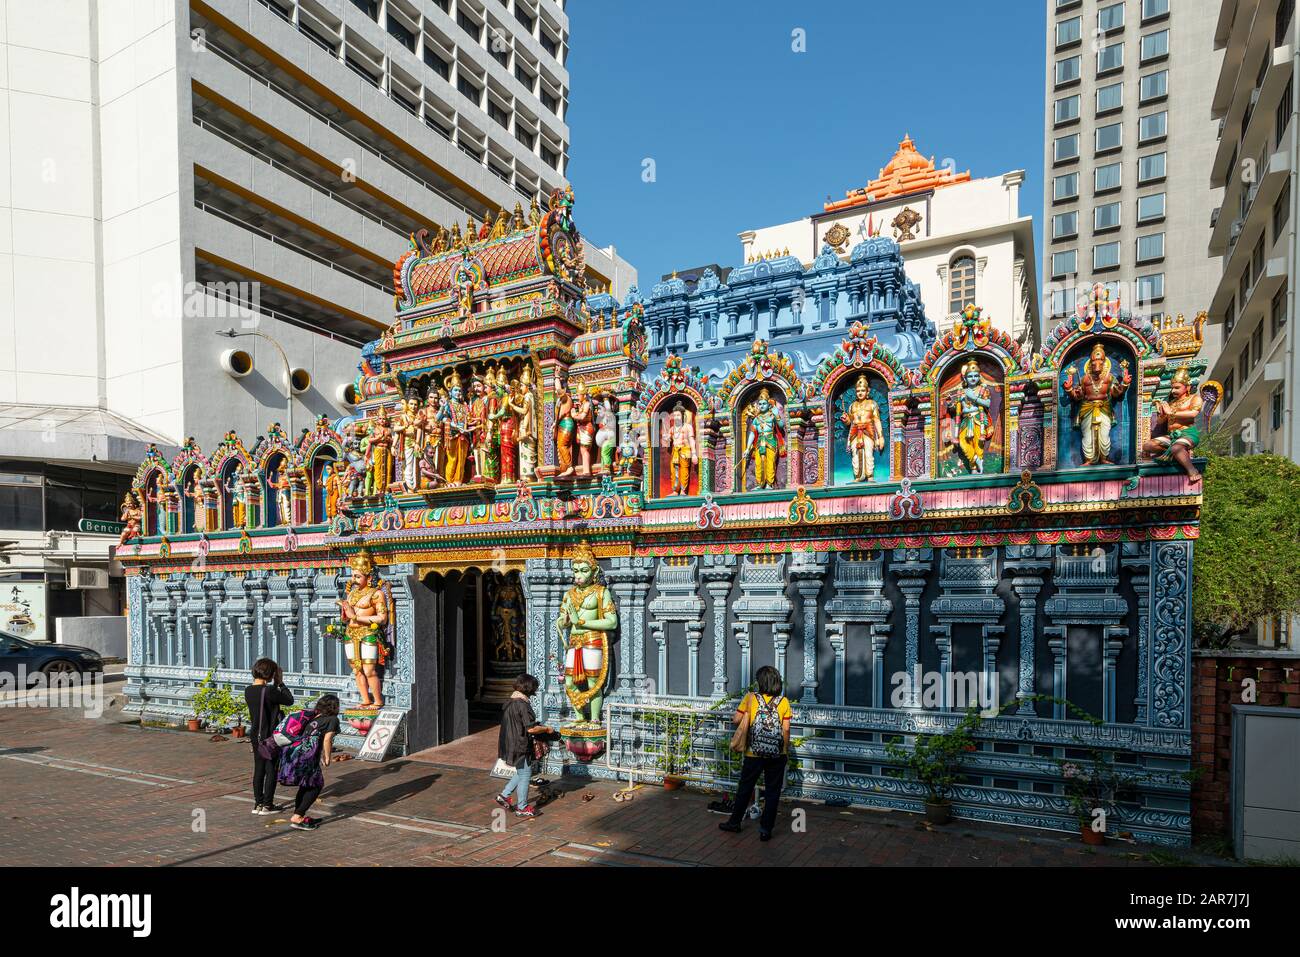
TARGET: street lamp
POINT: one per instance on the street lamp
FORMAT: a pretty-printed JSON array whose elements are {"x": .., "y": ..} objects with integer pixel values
[{"x": 288, "y": 373}]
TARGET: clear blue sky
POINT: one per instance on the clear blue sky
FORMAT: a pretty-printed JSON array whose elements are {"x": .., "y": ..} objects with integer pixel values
[{"x": 744, "y": 132}]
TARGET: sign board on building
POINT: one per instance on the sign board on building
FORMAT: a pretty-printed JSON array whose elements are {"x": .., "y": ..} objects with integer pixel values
[
  {"x": 99, "y": 527},
  {"x": 22, "y": 609},
  {"x": 381, "y": 736}
]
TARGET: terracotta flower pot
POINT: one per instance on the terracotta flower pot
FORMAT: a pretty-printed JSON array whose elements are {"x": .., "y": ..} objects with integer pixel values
[
  {"x": 938, "y": 812},
  {"x": 193, "y": 724},
  {"x": 238, "y": 731},
  {"x": 674, "y": 782},
  {"x": 1094, "y": 838}
]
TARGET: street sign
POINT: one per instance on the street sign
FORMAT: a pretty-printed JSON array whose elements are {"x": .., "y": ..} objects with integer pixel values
[
  {"x": 381, "y": 735},
  {"x": 100, "y": 527}
]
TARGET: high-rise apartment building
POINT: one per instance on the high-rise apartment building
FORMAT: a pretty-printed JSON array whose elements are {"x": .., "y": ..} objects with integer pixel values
[
  {"x": 176, "y": 168},
  {"x": 1255, "y": 161},
  {"x": 1128, "y": 150}
]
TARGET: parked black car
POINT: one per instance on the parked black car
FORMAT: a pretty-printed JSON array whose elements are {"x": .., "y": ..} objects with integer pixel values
[{"x": 16, "y": 653}]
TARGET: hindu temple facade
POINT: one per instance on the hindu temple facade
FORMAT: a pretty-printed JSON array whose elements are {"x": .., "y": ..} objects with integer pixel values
[{"x": 518, "y": 492}]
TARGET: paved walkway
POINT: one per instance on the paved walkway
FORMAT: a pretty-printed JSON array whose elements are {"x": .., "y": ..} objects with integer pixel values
[{"x": 107, "y": 792}]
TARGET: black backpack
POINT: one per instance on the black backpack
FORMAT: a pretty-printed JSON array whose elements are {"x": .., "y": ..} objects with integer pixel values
[{"x": 766, "y": 738}]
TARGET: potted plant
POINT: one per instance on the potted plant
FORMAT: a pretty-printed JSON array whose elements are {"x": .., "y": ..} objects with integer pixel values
[
  {"x": 1091, "y": 785},
  {"x": 677, "y": 731},
  {"x": 934, "y": 761},
  {"x": 202, "y": 702},
  {"x": 218, "y": 703}
]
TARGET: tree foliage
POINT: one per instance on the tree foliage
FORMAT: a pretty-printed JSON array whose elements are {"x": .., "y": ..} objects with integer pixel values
[{"x": 1248, "y": 556}]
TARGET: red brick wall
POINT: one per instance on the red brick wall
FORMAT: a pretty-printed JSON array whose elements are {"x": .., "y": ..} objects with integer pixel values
[{"x": 1216, "y": 687}]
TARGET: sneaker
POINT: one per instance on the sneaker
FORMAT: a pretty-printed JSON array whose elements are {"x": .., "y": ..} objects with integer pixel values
[
  {"x": 728, "y": 826},
  {"x": 764, "y": 835},
  {"x": 505, "y": 802},
  {"x": 274, "y": 808},
  {"x": 306, "y": 824},
  {"x": 257, "y": 809},
  {"x": 526, "y": 811}
]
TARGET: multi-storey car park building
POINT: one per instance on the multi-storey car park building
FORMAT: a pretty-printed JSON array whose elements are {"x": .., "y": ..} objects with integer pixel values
[
  {"x": 179, "y": 169},
  {"x": 1127, "y": 154},
  {"x": 1255, "y": 163}
]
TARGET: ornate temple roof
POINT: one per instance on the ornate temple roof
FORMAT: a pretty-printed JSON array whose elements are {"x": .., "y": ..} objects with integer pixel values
[{"x": 908, "y": 172}]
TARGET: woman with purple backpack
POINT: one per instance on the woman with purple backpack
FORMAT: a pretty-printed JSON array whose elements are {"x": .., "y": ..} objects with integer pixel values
[
  {"x": 311, "y": 742},
  {"x": 264, "y": 697}
]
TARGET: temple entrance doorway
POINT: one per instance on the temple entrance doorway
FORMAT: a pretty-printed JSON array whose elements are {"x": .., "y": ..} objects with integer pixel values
[{"x": 479, "y": 643}]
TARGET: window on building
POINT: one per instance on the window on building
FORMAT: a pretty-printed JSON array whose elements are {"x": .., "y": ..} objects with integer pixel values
[
  {"x": 961, "y": 283},
  {"x": 524, "y": 18},
  {"x": 1106, "y": 178},
  {"x": 1105, "y": 256},
  {"x": 1110, "y": 58},
  {"x": 1151, "y": 248},
  {"x": 1061, "y": 302},
  {"x": 1154, "y": 46},
  {"x": 1150, "y": 288},
  {"x": 1065, "y": 263},
  {"x": 1067, "y": 109},
  {"x": 399, "y": 33},
  {"x": 1110, "y": 98},
  {"x": 20, "y": 502},
  {"x": 1282, "y": 115},
  {"x": 1276, "y": 313},
  {"x": 1282, "y": 22},
  {"x": 1153, "y": 126},
  {"x": 1151, "y": 208},
  {"x": 1282, "y": 211},
  {"x": 1152, "y": 9},
  {"x": 498, "y": 113},
  {"x": 1277, "y": 407},
  {"x": 1110, "y": 17},
  {"x": 550, "y": 157},
  {"x": 1243, "y": 365},
  {"x": 469, "y": 25},
  {"x": 1229, "y": 317},
  {"x": 1065, "y": 225},
  {"x": 550, "y": 44},
  {"x": 1105, "y": 217},
  {"x": 469, "y": 90},
  {"x": 369, "y": 7},
  {"x": 1109, "y": 137},
  {"x": 437, "y": 63},
  {"x": 1257, "y": 344},
  {"x": 1151, "y": 168},
  {"x": 1153, "y": 86},
  {"x": 529, "y": 80},
  {"x": 550, "y": 102},
  {"x": 1065, "y": 186},
  {"x": 1067, "y": 70},
  {"x": 1229, "y": 388},
  {"x": 1069, "y": 31},
  {"x": 1065, "y": 148}
]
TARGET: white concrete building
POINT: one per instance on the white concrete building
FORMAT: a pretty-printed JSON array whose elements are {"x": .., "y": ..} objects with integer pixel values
[
  {"x": 1255, "y": 161},
  {"x": 172, "y": 168},
  {"x": 1127, "y": 151},
  {"x": 963, "y": 240}
]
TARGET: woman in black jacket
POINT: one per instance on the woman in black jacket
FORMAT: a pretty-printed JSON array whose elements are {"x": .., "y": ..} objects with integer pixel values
[
  {"x": 515, "y": 748},
  {"x": 264, "y": 697}
]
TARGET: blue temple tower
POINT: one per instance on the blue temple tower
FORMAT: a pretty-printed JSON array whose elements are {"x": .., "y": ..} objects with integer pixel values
[{"x": 710, "y": 323}]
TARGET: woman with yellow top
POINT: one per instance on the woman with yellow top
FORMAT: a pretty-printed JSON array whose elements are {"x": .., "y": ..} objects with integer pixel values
[{"x": 767, "y": 713}]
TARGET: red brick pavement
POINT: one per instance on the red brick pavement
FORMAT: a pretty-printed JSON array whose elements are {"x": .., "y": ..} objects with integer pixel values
[{"x": 108, "y": 792}]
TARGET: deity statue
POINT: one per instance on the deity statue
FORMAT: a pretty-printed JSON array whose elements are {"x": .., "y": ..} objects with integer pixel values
[
  {"x": 523, "y": 402},
  {"x": 565, "y": 426},
  {"x": 408, "y": 432},
  {"x": 584, "y": 416},
  {"x": 379, "y": 454},
  {"x": 431, "y": 452},
  {"x": 1093, "y": 394},
  {"x": 506, "y": 424},
  {"x": 333, "y": 485},
  {"x": 588, "y": 616},
  {"x": 765, "y": 440},
  {"x": 606, "y": 431},
  {"x": 866, "y": 435},
  {"x": 456, "y": 431},
  {"x": 365, "y": 612},
  {"x": 131, "y": 514},
  {"x": 1178, "y": 417},
  {"x": 683, "y": 452},
  {"x": 493, "y": 403},
  {"x": 238, "y": 493},
  {"x": 480, "y": 433},
  {"x": 279, "y": 481},
  {"x": 194, "y": 492},
  {"x": 353, "y": 482},
  {"x": 508, "y": 619},
  {"x": 970, "y": 416}
]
